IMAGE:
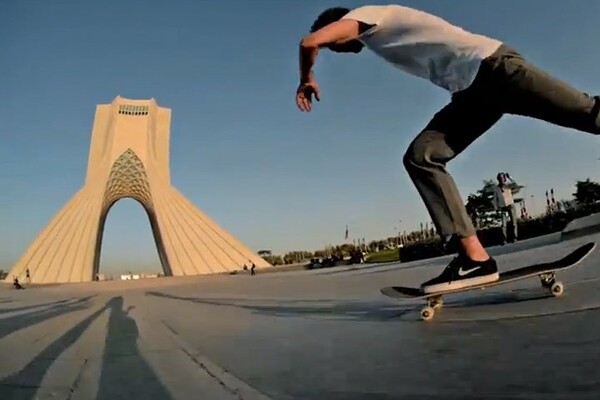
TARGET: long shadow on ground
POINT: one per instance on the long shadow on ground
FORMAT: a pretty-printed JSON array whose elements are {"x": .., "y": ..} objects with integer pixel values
[
  {"x": 349, "y": 310},
  {"x": 353, "y": 310},
  {"x": 30, "y": 307},
  {"x": 125, "y": 373},
  {"x": 24, "y": 384},
  {"x": 21, "y": 321}
]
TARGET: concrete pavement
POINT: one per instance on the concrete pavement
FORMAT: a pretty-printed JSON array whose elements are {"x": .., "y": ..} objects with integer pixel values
[{"x": 306, "y": 335}]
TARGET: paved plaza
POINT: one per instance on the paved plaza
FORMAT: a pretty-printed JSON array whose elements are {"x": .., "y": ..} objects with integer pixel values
[{"x": 324, "y": 334}]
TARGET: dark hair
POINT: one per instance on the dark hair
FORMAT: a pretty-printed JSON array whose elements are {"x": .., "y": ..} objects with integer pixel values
[{"x": 328, "y": 16}]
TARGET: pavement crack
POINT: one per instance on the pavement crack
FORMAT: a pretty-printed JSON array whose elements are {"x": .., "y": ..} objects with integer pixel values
[
  {"x": 203, "y": 366},
  {"x": 212, "y": 375},
  {"x": 77, "y": 380}
]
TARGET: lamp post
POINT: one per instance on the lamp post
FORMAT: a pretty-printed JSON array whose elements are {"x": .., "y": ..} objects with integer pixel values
[{"x": 398, "y": 234}]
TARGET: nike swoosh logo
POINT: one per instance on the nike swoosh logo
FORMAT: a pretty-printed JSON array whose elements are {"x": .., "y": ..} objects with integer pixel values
[{"x": 463, "y": 272}]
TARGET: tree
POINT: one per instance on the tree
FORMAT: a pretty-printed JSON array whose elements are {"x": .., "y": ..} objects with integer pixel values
[
  {"x": 320, "y": 254},
  {"x": 296, "y": 257},
  {"x": 273, "y": 260},
  {"x": 587, "y": 192}
]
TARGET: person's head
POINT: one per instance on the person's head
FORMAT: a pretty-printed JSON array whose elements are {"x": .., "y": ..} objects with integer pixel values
[
  {"x": 330, "y": 16},
  {"x": 501, "y": 177}
]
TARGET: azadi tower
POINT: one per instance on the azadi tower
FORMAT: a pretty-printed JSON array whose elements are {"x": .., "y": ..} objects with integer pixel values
[{"x": 129, "y": 157}]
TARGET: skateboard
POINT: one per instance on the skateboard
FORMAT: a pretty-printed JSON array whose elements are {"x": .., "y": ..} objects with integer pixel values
[{"x": 546, "y": 272}]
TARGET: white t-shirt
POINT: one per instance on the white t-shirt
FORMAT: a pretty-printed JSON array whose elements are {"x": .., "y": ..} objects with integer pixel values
[
  {"x": 424, "y": 45},
  {"x": 503, "y": 197}
]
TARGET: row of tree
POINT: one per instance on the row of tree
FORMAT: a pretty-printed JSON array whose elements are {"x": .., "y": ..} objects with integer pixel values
[{"x": 587, "y": 192}]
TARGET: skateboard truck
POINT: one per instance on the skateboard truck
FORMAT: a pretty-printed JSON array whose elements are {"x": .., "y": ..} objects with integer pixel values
[
  {"x": 549, "y": 282},
  {"x": 433, "y": 303}
]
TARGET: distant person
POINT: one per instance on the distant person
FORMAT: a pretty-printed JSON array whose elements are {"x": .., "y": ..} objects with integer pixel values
[
  {"x": 252, "y": 269},
  {"x": 485, "y": 78},
  {"x": 16, "y": 283},
  {"x": 472, "y": 213},
  {"x": 27, "y": 276},
  {"x": 504, "y": 202}
]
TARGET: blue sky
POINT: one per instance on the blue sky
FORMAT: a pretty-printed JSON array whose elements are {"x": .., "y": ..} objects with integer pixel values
[{"x": 240, "y": 150}]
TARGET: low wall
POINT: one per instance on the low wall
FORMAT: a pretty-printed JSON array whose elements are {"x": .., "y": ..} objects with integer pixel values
[{"x": 582, "y": 226}]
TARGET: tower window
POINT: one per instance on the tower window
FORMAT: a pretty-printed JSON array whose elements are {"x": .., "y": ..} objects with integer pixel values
[{"x": 126, "y": 109}]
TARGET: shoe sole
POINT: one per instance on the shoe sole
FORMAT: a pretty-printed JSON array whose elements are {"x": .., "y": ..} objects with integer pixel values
[{"x": 462, "y": 283}]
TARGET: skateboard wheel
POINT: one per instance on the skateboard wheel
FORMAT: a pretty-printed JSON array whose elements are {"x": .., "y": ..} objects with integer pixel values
[
  {"x": 427, "y": 313},
  {"x": 557, "y": 289}
]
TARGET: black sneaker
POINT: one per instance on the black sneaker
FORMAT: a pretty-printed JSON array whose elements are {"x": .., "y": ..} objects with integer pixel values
[{"x": 463, "y": 272}]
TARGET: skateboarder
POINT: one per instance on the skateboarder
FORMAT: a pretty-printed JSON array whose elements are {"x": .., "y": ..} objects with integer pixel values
[
  {"x": 504, "y": 202},
  {"x": 485, "y": 79}
]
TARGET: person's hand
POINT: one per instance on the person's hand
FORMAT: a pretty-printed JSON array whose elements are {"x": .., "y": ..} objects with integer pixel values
[{"x": 304, "y": 95}]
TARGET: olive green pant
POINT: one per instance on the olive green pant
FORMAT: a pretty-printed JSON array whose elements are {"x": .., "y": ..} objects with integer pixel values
[
  {"x": 505, "y": 84},
  {"x": 509, "y": 214}
]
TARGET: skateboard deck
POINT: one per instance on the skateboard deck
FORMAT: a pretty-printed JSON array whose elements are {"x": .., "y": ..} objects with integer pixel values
[{"x": 546, "y": 271}]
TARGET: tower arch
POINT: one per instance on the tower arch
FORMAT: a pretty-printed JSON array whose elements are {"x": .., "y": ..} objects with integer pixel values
[{"x": 129, "y": 158}]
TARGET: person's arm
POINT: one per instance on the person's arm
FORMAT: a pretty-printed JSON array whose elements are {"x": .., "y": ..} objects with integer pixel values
[
  {"x": 338, "y": 32},
  {"x": 495, "y": 199}
]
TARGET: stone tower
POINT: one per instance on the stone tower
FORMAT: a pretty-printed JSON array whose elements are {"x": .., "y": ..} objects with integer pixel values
[{"x": 129, "y": 157}]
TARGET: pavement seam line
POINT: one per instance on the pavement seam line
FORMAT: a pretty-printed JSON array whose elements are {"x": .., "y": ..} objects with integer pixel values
[
  {"x": 216, "y": 372},
  {"x": 75, "y": 383}
]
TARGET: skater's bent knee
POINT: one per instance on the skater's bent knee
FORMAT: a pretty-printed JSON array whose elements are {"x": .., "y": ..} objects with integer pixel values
[
  {"x": 410, "y": 157},
  {"x": 425, "y": 153},
  {"x": 415, "y": 156}
]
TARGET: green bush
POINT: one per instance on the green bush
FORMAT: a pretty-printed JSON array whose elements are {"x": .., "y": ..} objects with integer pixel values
[{"x": 383, "y": 256}]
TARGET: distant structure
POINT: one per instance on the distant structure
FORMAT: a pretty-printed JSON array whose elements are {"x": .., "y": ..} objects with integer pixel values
[{"x": 129, "y": 158}]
